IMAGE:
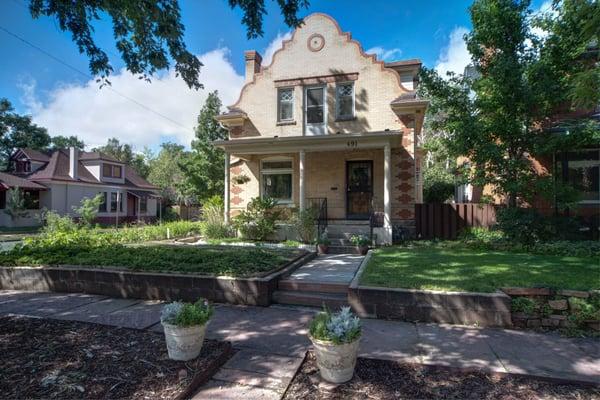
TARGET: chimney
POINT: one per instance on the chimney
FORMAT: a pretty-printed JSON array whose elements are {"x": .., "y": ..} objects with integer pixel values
[
  {"x": 73, "y": 162},
  {"x": 253, "y": 60}
]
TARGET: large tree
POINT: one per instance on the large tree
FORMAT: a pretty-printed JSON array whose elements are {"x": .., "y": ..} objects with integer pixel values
[
  {"x": 148, "y": 33},
  {"x": 63, "y": 142},
  {"x": 204, "y": 168},
  {"x": 166, "y": 173},
  {"x": 120, "y": 151}
]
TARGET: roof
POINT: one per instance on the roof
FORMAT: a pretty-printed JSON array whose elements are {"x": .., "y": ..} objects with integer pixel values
[
  {"x": 409, "y": 98},
  {"x": 403, "y": 63},
  {"x": 8, "y": 181},
  {"x": 34, "y": 155},
  {"x": 96, "y": 155}
]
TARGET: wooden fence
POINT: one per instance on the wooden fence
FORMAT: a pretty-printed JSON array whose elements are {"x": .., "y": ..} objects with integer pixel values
[{"x": 446, "y": 221}]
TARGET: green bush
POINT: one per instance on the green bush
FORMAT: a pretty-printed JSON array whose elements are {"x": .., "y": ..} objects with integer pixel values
[
  {"x": 257, "y": 222},
  {"x": 528, "y": 226},
  {"x": 438, "y": 185},
  {"x": 304, "y": 224},
  {"x": 187, "y": 314},
  {"x": 583, "y": 310},
  {"x": 55, "y": 223},
  {"x": 480, "y": 234},
  {"x": 88, "y": 209},
  {"x": 214, "y": 226},
  {"x": 522, "y": 304}
]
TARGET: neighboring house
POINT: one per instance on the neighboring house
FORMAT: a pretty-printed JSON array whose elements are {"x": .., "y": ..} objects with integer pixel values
[
  {"x": 327, "y": 124},
  {"x": 60, "y": 179}
]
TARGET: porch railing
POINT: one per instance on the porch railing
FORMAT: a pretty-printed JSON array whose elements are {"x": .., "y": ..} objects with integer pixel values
[{"x": 319, "y": 204}]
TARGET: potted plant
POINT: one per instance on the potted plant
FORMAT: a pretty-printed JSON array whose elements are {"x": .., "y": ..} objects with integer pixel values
[
  {"x": 185, "y": 326},
  {"x": 335, "y": 338},
  {"x": 323, "y": 243},
  {"x": 361, "y": 242}
]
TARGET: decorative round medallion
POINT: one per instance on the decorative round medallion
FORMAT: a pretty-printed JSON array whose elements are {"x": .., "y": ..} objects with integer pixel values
[{"x": 315, "y": 42}]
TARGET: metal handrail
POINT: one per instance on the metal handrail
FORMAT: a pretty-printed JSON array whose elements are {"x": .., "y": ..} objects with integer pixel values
[{"x": 320, "y": 203}]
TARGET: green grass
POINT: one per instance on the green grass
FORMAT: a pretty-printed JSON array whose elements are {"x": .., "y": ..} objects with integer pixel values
[
  {"x": 205, "y": 260},
  {"x": 456, "y": 268}
]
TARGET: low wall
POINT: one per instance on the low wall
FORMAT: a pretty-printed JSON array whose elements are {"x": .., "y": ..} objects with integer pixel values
[
  {"x": 465, "y": 308},
  {"x": 148, "y": 286}
]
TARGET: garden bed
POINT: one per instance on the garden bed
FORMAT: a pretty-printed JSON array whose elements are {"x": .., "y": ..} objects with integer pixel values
[
  {"x": 64, "y": 359},
  {"x": 379, "y": 379}
]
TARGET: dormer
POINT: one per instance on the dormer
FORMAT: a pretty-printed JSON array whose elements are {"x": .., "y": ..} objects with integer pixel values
[
  {"x": 408, "y": 71},
  {"x": 25, "y": 161},
  {"x": 104, "y": 167}
]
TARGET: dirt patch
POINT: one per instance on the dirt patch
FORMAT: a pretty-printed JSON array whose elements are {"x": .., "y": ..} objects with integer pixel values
[
  {"x": 70, "y": 360},
  {"x": 378, "y": 379}
]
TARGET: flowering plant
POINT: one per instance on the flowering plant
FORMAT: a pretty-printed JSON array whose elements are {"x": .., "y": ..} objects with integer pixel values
[{"x": 340, "y": 327}]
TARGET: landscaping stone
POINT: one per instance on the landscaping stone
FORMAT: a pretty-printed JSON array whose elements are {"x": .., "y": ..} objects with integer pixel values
[
  {"x": 534, "y": 323},
  {"x": 558, "y": 305},
  {"x": 574, "y": 293},
  {"x": 517, "y": 291}
]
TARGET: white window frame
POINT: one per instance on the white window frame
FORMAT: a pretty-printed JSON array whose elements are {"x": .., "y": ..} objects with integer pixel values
[
  {"x": 315, "y": 129},
  {"x": 597, "y": 201},
  {"x": 277, "y": 171},
  {"x": 279, "y": 90},
  {"x": 339, "y": 117}
]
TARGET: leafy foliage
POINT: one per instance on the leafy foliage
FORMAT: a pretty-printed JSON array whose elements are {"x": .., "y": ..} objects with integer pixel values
[
  {"x": 187, "y": 314},
  {"x": 63, "y": 142},
  {"x": 54, "y": 224},
  {"x": 15, "y": 204},
  {"x": 214, "y": 226},
  {"x": 359, "y": 240},
  {"x": 438, "y": 184},
  {"x": 166, "y": 173},
  {"x": 323, "y": 239},
  {"x": 304, "y": 224},
  {"x": 338, "y": 328},
  {"x": 527, "y": 226},
  {"x": 257, "y": 222},
  {"x": 522, "y": 304},
  {"x": 583, "y": 310},
  {"x": 254, "y": 11},
  {"x": 88, "y": 209}
]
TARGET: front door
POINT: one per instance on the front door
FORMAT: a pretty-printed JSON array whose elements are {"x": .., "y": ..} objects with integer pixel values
[
  {"x": 359, "y": 189},
  {"x": 315, "y": 111}
]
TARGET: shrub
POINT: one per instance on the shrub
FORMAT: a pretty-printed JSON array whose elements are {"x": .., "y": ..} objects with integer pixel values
[
  {"x": 522, "y": 304},
  {"x": 323, "y": 239},
  {"x": 257, "y": 222},
  {"x": 186, "y": 314},
  {"x": 528, "y": 226},
  {"x": 359, "y": 240},
  {"x": 583, "y": 310},
  {"x": 214, "y": 224},
  {"x": 480, "y": 234},
  {"x": 340, "y": 327},
  {"x": 304, "y": 224},
  {"x": 438, "y": 185},
  {"x": 15, "y": 204},
  {"x": 88, "y": 209}
]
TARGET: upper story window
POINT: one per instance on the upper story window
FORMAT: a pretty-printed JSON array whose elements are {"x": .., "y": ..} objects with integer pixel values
[
  {"x": 22, "y": 166},
  {"x": 285, "y": 104},
  {"x": 276, "y": 177},
  {"x": 581, "y": 170},
  {"x": 112, "y": 171},
  {"x": 344, "y": 100}
]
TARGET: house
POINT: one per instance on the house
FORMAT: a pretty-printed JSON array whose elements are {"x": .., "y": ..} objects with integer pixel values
[
  {"x": 327, "y": 125},
  {"x": 60, "y": 179}
]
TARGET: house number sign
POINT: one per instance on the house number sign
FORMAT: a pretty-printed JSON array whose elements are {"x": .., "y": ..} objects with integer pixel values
[{"x": 352, "y": 144}]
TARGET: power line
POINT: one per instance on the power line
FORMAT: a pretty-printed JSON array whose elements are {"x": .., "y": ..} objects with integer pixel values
[{"x": 88, "y": 76}]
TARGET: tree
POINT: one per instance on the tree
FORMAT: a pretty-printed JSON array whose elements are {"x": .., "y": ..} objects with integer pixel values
[
  {"x": 18, "y": 131},
  {"x": 114, "y": 148},
  {"x": 15, "y": 204},
  {"x": 166, "y": 173},
  {"x": 63, "y": 142},
  {"x": 148, "y": 33},
  {"x": 88, "y": 209},
  {"x": 203, "y": 170}
]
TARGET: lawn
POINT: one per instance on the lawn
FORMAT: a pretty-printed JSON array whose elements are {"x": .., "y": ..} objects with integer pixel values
[
  {"x": 455, "y": 268},
  {"x": 207, "y": 260}
]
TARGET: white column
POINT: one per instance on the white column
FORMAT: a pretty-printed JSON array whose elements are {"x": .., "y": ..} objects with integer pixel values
[
  {"x": 302, "y": 194},
  {"x": 387, "y": 193},
  {"x": 226, "y": 192}
]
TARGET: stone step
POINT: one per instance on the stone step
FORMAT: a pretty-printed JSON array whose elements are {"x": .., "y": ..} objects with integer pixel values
[
  {"x": 345, "y": 235},
  {"x": 339, "y": 241},
  {"x": 347, "y": 222},
  {"x": 306, "y": 286},
  {"x": 343, "y": 250},
  {"x": 333, "y": 301}
]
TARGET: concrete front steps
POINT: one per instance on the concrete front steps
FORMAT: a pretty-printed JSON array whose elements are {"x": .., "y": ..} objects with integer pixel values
[
  {"x": 311, "y": 294},
  {"x": 339, "y": 233}
]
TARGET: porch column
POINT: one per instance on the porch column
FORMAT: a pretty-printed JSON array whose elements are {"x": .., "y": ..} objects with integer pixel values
[
  {"x": 226, "y": 192},
  {"x": 387, "y": 193},
  {"x": 302, "y": 193}
]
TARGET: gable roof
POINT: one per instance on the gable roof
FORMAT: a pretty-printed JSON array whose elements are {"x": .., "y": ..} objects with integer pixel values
[
  {"x": 8, "y": 181},
  {"x": 33, "y": 155}
]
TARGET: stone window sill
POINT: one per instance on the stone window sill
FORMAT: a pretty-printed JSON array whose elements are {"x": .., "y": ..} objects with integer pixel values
[
  {"x": 284, "y": 123},
  {"x": 345, "y": 119}
]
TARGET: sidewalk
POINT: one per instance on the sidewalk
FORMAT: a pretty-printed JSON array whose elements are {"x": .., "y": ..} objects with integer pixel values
[{"x": 272, "y": 342}]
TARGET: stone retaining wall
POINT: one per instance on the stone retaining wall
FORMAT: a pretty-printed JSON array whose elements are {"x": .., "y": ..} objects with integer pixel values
[
  {"x": 483, "y": 309},
  {"x": 148, "y": 286}
]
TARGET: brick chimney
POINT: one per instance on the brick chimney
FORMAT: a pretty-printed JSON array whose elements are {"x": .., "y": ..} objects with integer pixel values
[
  {"x": 253, "y": 61},
  {"x": 73, "y": 162}
]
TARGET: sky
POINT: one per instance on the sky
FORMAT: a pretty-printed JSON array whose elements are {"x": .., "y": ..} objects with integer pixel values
[{"x": 59, "y": 93}]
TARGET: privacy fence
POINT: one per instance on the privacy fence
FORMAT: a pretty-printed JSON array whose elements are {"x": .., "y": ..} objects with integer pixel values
[{"x": 446, "y": 221}]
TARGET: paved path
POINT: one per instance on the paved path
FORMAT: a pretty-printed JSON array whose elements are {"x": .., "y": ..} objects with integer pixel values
[
  {"x": 272, "y": 341},
  {"x": 328, "y": 268}
]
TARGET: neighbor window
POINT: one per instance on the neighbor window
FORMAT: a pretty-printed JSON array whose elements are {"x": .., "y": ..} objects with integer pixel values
[
  {"x": 285, "y": 104},
  {"x": 276, "y": 177},
  {"x": 112, "y": 171},
  {"x": 31, "y": 199},
  {"x": 143, "y": 204},
  {"x": 581, "y": 170},
  {"x": 344, "y": 100},
  {"x": 102, "y": 206}
]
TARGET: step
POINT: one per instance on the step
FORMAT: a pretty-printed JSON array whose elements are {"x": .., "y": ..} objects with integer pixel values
[
  {"x": 339, "y": 241},
  {"x": 343, "y": 250},
  {"x": 307, "y": 286},
  {"x": 348, "y": 222},
  {"x": 346, "y": 235},
  {"x": 332, "y": 301}
]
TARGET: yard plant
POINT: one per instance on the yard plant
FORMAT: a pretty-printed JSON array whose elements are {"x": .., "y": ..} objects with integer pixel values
[
  {"x": 187, "y": 314},
  {"x": 338, "y": 328}
]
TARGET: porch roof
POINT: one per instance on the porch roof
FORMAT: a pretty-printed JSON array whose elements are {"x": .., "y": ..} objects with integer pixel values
[{"x": 331, "y": 142}]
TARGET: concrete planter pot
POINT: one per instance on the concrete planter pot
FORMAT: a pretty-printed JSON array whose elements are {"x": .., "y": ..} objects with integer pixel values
[
  {"x": 322, "y": 248},
  {"x": 184, "y": 343},
  {"x": 362, "y": 250},
  {"x": 336, "y": 362}
]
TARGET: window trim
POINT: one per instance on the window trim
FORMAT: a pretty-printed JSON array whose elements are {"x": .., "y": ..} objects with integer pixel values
[
  {"x": 278, "y": 171},
  {"x": 279, "y": 90},
  {"x": 582, "y": 202},
  {"x": 144, "y": 201},
  {"x": 339, "y": 117},
  {"x": 113, "y": 168},
  {"x": 104, "y": 209}
]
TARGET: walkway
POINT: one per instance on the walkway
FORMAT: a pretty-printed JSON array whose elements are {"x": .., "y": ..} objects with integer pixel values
[
  {"x": 272, "y": 341},
  {"x": 328, "y": 268}
]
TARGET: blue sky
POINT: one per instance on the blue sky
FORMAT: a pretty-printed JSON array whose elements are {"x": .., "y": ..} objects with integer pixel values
[{"x": 68, "y": 102}]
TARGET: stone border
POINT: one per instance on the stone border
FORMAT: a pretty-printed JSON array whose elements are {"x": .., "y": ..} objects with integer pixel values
[
  {"x": 255, "y": 291},
  {"x": 464, "y": 308}
]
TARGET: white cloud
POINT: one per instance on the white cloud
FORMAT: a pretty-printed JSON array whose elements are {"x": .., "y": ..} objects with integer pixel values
[
  {"x": 455, "y": 56},
  {"x": 275, "y": 45},
  {"x": 385, "y": 54},
  {"x": 545, "y": 8},
  {"x": 96, "y": 114}
]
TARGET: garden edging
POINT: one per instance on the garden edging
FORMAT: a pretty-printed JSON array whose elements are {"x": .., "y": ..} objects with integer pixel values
[
  {"x": 148, "y": 286},
  {"x": 464, "y": 308}
]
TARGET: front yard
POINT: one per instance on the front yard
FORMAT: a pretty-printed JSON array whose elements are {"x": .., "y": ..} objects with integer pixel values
[{"x": 457, "y": 268}]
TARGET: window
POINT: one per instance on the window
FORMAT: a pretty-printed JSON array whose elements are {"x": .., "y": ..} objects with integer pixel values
[
  {"x": 112, "y": 171},
  {"x": 31, "y": 199},
  {"x": 344, "y": 100},
  {"x": 143, "y": 204},
  {"x": 113, "y": 202},
  {"x": 581, "y": 169},
  {"x": 22, "y": 166},
  {"x": 276, "y": 178},
  {"x": 102, "y": 206},
  {"x": 285, "y": 104},
  {"x": 315, "y": 105}
]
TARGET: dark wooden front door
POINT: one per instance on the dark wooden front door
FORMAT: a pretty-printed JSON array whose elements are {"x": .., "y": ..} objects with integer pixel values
[
  {"x": 359, "y": 189},
  {"x": 131, "y": 205}
]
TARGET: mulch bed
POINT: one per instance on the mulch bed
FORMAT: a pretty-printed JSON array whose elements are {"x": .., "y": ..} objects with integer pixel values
[
  {"x": 379, "y": 379},
  {"x": 49, "y": 359}
]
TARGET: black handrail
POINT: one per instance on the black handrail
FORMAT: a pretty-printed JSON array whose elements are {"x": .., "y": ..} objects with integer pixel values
[{"x": 320, "y": 204}]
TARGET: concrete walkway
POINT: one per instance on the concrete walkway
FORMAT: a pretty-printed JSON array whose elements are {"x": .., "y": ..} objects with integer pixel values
[
  {"x": 328, "y": 268},
  {"x": 272, "y": 342}
]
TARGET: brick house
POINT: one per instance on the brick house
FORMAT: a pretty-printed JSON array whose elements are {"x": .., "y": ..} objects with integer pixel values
[{"x": 325, "y": 123}]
